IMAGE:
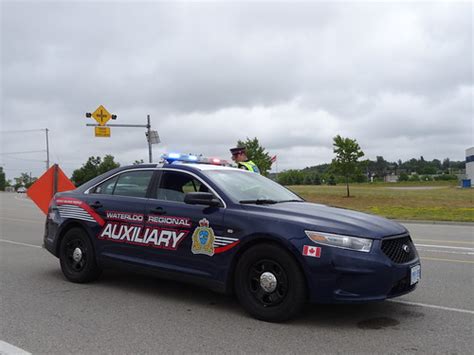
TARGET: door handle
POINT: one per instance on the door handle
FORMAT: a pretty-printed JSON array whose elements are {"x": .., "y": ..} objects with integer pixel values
[
  {"x": 96, "y": 205},
  {"x": 158, "y": 210}
]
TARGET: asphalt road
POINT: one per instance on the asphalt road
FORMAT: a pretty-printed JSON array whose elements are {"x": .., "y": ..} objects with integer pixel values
[{"x": 41, "y": 312}]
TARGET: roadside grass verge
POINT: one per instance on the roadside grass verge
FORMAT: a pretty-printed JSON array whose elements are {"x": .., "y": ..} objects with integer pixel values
[{"x": 434, "y": 201}]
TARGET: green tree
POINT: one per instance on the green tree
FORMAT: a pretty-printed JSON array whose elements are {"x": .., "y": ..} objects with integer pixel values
[
  {"x": 446, "y": 164},
  {"x": 381, "y": 166},
  {"x": 291, "y": 177},
  {"x": 107, "y": 164},
  {"x": 94, "y": 166},
  {"x": 307, "y": 179},
  {"x": 257, "y": 154},
  {"x": 24, "y": 180},
  {"x": 138, "y": 162},
  {"x": 331, "y": 180},
  {"x": 346, "y": 163},
  {"x": 315, "y": 179},
  {"x": 3, "y": 181}
]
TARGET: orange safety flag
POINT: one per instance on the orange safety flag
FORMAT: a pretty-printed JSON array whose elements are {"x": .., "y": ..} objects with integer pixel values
[{"x": 42, "y": 191}]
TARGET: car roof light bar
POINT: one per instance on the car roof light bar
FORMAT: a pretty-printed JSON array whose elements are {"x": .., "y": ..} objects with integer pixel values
[{"x": 171, "y": 158}]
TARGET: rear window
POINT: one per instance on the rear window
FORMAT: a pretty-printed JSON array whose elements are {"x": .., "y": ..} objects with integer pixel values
[{"x": 132, "y": 183}]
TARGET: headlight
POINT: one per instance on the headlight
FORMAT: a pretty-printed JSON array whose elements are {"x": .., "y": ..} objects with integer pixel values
[{"x": 340, "y": 241}]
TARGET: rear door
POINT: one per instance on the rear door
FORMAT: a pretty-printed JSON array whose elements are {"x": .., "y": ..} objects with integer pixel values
[{"x": 120, "y": 201}]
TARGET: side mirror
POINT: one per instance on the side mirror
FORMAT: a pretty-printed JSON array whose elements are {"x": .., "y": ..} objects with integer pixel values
[{"x": 201, "y": 198}]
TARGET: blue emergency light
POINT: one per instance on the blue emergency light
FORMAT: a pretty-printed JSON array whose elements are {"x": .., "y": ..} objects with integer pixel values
[{"x": 191, "y": 158}]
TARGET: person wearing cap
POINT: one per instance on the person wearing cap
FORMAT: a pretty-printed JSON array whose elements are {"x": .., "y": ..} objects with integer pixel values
[{"x": 239, "y": 155}]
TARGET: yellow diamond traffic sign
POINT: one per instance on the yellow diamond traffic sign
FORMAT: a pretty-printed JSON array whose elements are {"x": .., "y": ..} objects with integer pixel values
[
  {"x": 102, "y": 131},
  {"x": 101, "y": 115}
]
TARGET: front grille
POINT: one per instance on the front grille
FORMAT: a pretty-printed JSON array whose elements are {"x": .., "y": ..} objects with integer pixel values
[{"x": 393, "y": 248}]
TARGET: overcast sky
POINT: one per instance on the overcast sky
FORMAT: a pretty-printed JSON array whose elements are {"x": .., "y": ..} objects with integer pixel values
[{"x": 396, "y": 76}]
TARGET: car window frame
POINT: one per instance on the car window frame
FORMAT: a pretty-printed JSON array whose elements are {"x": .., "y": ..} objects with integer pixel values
[
  {"x": 90, "y": 190},
  {"x": 159, "y": 176},
  {"x": 116, "y": 177},
  {"x": 147, "y": 191}
]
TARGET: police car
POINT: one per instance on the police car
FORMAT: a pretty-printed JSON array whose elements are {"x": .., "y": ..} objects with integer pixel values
[{"x": 233, "y": 231}]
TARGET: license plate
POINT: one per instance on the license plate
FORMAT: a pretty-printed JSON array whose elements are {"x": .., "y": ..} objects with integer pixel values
[{"x": 415, "y": 274}]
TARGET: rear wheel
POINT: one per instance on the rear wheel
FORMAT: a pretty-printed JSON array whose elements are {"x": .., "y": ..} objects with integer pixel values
[
  {"x": 77, "y": 258},
  {"x": 269, "y": 283}
]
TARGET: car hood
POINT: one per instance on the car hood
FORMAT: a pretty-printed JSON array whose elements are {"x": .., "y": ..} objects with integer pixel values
[{"x": 333, "y": 220}]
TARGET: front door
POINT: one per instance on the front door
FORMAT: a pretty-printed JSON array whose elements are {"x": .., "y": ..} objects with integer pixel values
[{"x": 193, "y": 230}]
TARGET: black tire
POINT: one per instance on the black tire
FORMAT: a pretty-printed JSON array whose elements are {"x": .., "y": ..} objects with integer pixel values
[
  {"x": 85, "y": 269},
  {"x": 289, "y": 295}
]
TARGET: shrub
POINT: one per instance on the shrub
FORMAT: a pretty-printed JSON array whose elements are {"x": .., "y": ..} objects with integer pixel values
[
  {"x": 403, "y": 177},
  {"x": 446, "y": 177}
]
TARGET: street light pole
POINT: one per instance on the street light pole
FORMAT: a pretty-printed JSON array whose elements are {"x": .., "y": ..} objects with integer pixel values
[
  {"x": 148, "y": 127},
  {"x": 47, "y": 149}
]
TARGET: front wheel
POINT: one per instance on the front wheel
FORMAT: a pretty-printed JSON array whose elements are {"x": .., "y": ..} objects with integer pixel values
[
  {"x": 269, "y": 283},
  {"x": 77, "y": 258}
]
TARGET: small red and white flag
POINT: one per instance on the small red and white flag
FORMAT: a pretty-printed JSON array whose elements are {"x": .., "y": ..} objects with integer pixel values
[
  {"x": 273, "y": 159},
  {"x": 309, "y": 250}
]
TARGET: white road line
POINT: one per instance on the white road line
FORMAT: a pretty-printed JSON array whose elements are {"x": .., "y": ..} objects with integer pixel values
[
  {"x": 446, "y": 251},
  {"x": 460, "y": 310},
  {"x": 442, "y": 241},
  {"x": 9, "y": 349},
  {"x": 19, "y": 243},
  {"x": 22, "y": 220},
  {"x": 23, "y": 199},
  {"x": 443, "y": 246}
]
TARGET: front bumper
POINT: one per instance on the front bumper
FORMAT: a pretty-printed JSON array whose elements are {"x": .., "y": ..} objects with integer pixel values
[{"x": 342, "y": 276}]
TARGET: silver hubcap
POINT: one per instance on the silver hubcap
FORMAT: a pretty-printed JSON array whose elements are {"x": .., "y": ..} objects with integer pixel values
[
  {"x": 268, "y": 282},
  {"x": 77, "y": 255}
]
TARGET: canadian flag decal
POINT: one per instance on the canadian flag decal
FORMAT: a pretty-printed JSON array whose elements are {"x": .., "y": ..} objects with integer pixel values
[{"x": 309, "y": 250}]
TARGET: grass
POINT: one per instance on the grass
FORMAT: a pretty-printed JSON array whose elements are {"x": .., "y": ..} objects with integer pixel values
[{"x": 446, "y": 202}]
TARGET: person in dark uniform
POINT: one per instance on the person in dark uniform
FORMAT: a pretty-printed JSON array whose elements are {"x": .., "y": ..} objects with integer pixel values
[{"x": 239, "y": 155}]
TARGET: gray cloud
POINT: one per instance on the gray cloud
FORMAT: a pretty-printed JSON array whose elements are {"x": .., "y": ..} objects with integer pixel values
[{"x": 396, "y": 76}]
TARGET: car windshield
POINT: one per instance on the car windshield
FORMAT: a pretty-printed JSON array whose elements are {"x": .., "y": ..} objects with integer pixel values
[{"x": 246, "y": 187}]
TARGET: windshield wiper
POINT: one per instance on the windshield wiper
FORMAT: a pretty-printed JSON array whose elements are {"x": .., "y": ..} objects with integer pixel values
[
  {"x": 291, "y": 201},
  {"x": 259, "y": 201}
]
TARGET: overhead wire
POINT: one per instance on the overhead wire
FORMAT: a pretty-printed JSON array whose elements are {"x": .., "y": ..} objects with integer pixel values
[
  {"x": 25, "y": 152},
  {"x": 23, "y": 130},
  {"x": 11, "y": 158},
  {"x": 25, "y": 159}
]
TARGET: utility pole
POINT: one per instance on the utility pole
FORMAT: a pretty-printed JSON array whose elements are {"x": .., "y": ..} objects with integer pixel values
[
  {"x": 47, "y": 149},
  {"x": 148, "y": 126}
]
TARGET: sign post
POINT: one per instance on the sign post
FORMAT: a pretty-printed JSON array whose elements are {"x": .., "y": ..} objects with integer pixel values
[
  {"x": 148, "y": 127},
  {"x": 102, "y": 129}
]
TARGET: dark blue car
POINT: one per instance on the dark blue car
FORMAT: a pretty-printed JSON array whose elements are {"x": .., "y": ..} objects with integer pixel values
[{"x": 233, "y": 231}]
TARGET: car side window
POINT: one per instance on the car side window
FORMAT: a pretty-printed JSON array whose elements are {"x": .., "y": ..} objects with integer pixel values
[
  {"x": 133, "y": 183},
  {"x": 107, "y": 187},
  {"x": 174, "y": 185}
]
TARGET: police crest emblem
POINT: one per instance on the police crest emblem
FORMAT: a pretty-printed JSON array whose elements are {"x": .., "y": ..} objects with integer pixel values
[{"x": 203, "y": 239}]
